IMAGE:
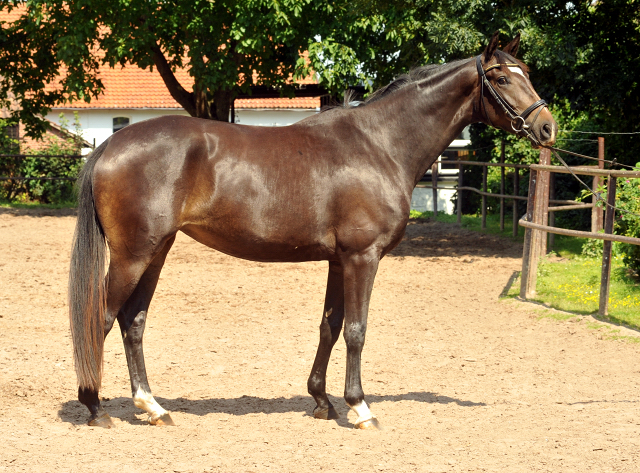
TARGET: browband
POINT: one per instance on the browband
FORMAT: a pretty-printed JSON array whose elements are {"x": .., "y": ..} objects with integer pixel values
[{"x": 498, "y": 65}]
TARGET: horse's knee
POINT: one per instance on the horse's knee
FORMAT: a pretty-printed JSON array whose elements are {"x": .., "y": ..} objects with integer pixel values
[{"x": 354, "y": 335}]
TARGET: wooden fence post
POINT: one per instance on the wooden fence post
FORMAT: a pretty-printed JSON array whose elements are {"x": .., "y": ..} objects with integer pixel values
[
  {"x": 552, "y": 215},
  {"x": 606, "y": 249},
  {"x": 484, "y": 197},
  {"x": 502, "y": 186},
  {"x": 597, "y": 212},
  {"x": 460, "y": 180},
  {"x": 516, "y": 193},
  {"x": 529, "y": 258},
  {"x": 542, "y": 200},
  {"x": 434, "y": 187}
]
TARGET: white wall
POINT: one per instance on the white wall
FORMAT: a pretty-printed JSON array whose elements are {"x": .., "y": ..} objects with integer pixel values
[
  {"x": 422, "y": 197},
  {"x": 271, "y": 117},
  {"x": 97, "y": 124}
]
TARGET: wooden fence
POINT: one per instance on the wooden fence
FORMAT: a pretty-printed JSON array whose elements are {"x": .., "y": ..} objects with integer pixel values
[
  {"x": 536, "y": 224},
  {"x": 539, "y": 220}
]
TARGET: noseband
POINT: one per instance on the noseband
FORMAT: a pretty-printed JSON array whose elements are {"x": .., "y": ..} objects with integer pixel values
[{"x": 518, "y": 121}]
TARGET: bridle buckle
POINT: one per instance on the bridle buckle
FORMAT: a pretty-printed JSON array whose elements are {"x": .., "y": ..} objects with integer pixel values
[{"x": 523, "y": 126}]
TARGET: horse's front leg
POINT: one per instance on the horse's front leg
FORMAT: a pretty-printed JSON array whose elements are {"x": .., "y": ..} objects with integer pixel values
[
  {"x": 359, "y": 274},
  {"x": 330, "y": 327}
]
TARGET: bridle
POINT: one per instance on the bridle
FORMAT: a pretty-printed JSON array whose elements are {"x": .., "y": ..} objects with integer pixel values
[{"x": 518, "y": 121}]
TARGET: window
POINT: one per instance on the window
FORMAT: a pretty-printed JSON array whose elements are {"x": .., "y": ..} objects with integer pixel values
[
  {"x": 119, "y": 122},
  {"x": 13, "y": 134}
]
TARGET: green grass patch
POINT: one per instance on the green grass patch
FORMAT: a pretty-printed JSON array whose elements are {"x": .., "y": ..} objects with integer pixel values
[
  {"x": 605, "y": 332},
  {"x": 571, "y": 285},
  {"x": 574, "y": 286},
  {"x": 473, "y": 222}
]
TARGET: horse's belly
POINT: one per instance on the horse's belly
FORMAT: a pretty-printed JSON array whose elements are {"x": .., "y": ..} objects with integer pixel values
[{"x": 249, "y": 245}]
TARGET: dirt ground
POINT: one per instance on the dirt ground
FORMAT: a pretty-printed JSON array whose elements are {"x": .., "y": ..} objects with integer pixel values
[{"x": 459, "y": 379}]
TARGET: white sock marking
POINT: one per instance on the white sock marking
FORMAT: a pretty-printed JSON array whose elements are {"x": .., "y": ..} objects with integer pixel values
[
  {"x": 363, "y": 412},
  {"x": 145, "y": 400}
]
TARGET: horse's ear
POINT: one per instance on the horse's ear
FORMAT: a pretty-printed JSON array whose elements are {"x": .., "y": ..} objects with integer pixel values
[
  {"x": 512, "y": 47},
  {"x": 491, "y": 47}
]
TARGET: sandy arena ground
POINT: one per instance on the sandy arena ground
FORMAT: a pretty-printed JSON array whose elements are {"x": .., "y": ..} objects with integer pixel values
[{"x": 460, "y": 380}]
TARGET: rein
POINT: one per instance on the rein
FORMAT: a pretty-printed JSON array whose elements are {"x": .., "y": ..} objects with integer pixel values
[{"x": 518, "y": 121}]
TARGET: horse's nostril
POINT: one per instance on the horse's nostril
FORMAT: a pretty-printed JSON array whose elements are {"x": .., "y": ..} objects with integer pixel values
[{"x": 546, "y": 132}]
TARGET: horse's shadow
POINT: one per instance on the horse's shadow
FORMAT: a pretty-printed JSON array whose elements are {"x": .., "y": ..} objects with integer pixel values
[{"x": 122, "y": 408}]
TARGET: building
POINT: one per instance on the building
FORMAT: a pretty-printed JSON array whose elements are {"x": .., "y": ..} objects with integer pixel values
[{"x": 132, "y": 95}]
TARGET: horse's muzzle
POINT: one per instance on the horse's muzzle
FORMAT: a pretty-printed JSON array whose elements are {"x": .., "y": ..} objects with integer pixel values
[{"x": 545, "y": 130}]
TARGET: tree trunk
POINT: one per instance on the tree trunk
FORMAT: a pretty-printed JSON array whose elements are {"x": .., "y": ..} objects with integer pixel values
[{"x": 197, "y": 103}]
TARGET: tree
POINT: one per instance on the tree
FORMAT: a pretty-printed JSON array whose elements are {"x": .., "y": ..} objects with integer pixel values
[
  {"x": 52, "y": 53},
  {"x": 583, "y": 54}
]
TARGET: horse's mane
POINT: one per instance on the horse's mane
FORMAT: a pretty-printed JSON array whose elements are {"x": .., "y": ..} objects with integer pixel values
[{"x": 414, "y": 75}]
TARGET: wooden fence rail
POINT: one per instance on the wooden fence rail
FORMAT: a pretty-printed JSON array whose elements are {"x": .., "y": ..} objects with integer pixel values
[
  {"x": 536, "y": 228},
  {"x": 539, "y": 221}
]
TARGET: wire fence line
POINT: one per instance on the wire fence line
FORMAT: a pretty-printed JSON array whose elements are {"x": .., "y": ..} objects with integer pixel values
[{"x": 602, "y": 132}]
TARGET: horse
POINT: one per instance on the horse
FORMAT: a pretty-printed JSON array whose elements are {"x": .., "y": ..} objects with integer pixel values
[{"x": 335, "y": 186}]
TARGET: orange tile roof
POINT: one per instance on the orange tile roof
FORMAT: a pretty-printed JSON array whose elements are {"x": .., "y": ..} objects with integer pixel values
[
  {"x": 10, "y": 17},
  {"x": 280, "y": 103},
  {"x": 132, "y": 87}
]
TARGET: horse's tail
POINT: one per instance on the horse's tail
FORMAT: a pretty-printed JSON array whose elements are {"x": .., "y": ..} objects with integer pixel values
[{"x": 87, "y": 284}]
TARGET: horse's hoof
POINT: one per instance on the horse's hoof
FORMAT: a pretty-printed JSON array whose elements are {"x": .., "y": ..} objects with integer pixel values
[
  {"x": 370, "y": 424},
  {"x": 164, "y": 419},
  {"x": 326, "y": 414},
  {"x": 103, "y": 420}
]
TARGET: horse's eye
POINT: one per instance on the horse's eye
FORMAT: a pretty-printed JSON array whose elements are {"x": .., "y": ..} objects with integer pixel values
[{"x": 502, "y": 80}]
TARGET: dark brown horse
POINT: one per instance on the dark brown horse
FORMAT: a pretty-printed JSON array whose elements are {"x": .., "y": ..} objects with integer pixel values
[{"x": 336, "y": 186}]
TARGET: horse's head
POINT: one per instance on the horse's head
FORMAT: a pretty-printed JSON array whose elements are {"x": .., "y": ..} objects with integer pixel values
[{"x": 508, "y": 100}]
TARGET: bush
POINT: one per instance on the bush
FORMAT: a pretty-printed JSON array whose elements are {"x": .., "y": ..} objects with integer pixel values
[
  {"x": 43, "y": 191},
  {"x": 628, "y": 219}
]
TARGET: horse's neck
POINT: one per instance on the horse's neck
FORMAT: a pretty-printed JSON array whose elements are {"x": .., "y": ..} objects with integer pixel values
[{"x": 426, "y": 116}]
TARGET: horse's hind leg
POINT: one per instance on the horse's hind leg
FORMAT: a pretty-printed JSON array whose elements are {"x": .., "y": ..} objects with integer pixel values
[
  {"x": 121, "y": 279},
  {"x": 132, "y": 318},
  {"x": 330, "y": 328},
  {"x": 126, "y": 275}
]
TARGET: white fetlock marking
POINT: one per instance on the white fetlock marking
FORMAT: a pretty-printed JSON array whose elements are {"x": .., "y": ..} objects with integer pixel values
[
  {"x": 363, "y": 412},
  {"x": 517, "y": 70},
  {"x": 145, "y": 400}
]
